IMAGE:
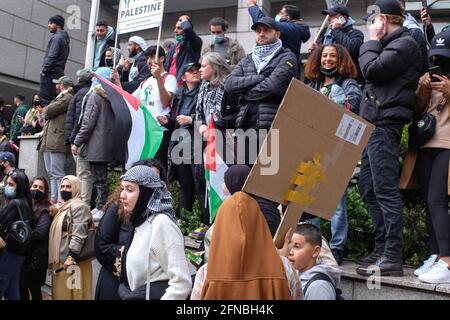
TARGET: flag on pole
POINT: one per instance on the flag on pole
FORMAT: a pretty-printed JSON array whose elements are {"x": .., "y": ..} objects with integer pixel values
[
  {"x": 215, "y": 169},
  {"x": 138, "y": 133}
]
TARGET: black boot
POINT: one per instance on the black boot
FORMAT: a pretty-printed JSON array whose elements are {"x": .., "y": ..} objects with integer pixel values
[
  {"x": 385, "y": 266},
  {"x": 371, "y": 258}
]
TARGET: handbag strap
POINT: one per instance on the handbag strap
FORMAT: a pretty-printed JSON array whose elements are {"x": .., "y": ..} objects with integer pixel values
[{"x": 16, "y": 202}]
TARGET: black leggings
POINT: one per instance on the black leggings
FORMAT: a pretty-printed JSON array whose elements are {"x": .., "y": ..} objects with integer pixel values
[
  {"x": 31, "y": 284},
  {"x": 432, "y": 169}
]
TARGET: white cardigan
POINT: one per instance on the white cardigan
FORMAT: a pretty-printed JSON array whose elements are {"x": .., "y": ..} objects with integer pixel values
[{"x": 165, "y": 242}]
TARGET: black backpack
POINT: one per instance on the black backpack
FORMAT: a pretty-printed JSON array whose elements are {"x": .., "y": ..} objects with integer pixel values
[
  {"x": 322, "y": 276},
  {"x": 18, "y": 238}
]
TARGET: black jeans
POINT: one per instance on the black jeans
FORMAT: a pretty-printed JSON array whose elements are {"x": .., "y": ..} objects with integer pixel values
[
  {"x": 47, "y": 90},
  {"x": 185, "y": 176},
  {"x": 99, "y": 172},
  {"x": 378, "y": 184},
  {"x": 31, "y": 284},
  {"x": 432, "y": 171}
]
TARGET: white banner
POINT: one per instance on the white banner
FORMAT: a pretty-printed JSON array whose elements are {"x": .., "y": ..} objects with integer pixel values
[{"x": 136, "y": 15}]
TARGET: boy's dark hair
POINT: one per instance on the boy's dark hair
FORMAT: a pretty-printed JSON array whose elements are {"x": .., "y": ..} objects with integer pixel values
[
  {"x": 292, "y": 11},
  {"x": 219, "y": 22},
  {"x": 20, "y": 96},
  {"x": 102, "y": 23},
  {"x": 151, "y": 52},
  {"x": 311, "y": 233}
]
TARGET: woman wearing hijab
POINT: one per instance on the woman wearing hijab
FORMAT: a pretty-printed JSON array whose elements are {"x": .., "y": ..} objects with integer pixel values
[
  {"x": 12, "y": 254},
  {"x": 154, "y": 258},
  {"x": 243, "y": 262},
  {"x": 68, "y": 235}
]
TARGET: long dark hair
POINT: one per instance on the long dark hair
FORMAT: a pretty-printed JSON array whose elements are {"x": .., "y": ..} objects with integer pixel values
[
  {"x": 22, "y": 187},
  {"x": 44, "y": 203},
  {"x": 346, "y": 68}
]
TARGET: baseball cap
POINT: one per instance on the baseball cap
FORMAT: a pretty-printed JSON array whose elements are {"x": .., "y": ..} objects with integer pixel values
[
  {"x": 440, "y": 45},
  {"x": 84, "y": 75},
  {"x": 266, "y": 21},
  {"x": 391, "y": 7},
  {"x": 339, "y": 9},
  {"x": 7, "y": 156},
  {"x": 64, "y": 80},
  {"x": 188, "y": 66}
]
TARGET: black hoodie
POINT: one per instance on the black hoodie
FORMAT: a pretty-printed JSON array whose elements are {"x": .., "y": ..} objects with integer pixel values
[{"x": 57, "y": 53}]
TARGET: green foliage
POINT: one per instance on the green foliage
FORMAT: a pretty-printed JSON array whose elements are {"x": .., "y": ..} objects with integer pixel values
[{"x": 190, "y": 220}]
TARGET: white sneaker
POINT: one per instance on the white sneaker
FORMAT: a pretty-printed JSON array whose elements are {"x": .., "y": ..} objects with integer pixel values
[
  {"x": 98, "y": 215},
  {"x": 438, "y": 274},
  {"x": 427, "y": 265}
]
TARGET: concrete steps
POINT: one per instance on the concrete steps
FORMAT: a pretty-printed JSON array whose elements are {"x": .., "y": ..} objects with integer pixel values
[{"x": 356, "y": 287}]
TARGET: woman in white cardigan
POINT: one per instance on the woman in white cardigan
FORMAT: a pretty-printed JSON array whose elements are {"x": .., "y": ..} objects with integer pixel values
[{"x": 154, "y": 265}]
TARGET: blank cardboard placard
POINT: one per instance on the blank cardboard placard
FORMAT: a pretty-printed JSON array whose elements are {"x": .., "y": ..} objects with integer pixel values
[{"x": 310, "y": 125}]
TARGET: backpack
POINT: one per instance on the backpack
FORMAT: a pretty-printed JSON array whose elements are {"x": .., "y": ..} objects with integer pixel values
[{"x": 322, "y": 276}]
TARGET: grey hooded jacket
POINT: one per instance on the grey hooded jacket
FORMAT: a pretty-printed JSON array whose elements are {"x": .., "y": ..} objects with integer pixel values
[{"x": 321, "y": 289}]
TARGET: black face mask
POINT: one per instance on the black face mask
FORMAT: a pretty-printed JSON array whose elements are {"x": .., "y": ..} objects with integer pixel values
[
  {"x": 37, "y": 194},
  {"x": 328, "y": 72},
  {"x": 2, "y": 167},
  {"x": 109, "y": 63},
  {"x": 66, "y": 196}
]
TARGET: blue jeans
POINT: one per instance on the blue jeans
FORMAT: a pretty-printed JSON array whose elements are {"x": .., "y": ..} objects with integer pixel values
[
  {"x": 378, "y": 184},
  {"x": 339, "y": 226},
  {"x": 55, "y": 164},
  {"x": 10, "y": 267}
]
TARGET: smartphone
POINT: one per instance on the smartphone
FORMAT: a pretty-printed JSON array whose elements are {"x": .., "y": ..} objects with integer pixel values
[
  {"x": 436, "y": 70},
  {"x": 424, "y": 4}
]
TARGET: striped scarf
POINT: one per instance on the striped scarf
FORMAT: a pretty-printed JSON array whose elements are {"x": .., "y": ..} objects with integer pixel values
[{"x": 262, "y": 55}]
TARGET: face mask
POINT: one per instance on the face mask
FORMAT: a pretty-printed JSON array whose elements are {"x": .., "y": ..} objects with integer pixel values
[
  {"x": 328, "y": 72},
  {"x": 10, "y": 192},
  {"x": 2, "y": 167},
  {"x": 66, "y": 196},
  {"x": 179, "y": 38},
  {"x": 220, "y": 38},
  {"x": 37, "y": 194},
  {"x": 109, "y": 63},
  {"x": 278, "y": 18}
]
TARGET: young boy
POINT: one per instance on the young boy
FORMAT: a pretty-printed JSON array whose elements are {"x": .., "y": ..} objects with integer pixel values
[{"x": 319, "y": 281}]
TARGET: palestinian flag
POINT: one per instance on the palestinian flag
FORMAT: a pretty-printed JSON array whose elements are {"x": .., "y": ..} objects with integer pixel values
[
  {"x": 138, "y": 134},
  {"x": 215, "y": 169}
]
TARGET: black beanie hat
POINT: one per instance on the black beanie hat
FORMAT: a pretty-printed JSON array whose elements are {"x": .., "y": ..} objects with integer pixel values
[{"x": 58, "y": 20}]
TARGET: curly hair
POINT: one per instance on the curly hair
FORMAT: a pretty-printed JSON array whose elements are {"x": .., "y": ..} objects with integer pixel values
[{"x": 346, "y": 68}]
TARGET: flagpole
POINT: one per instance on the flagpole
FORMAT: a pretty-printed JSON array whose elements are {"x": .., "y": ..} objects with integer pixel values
[
  {"x": 160, "y": 32},
  {"x": 117, "y": 35}
]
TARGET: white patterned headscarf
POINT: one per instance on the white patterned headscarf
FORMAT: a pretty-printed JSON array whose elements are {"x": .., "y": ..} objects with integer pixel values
[
  {"x": 161, "y": 201},
  {"x": 262, "y": 55}
]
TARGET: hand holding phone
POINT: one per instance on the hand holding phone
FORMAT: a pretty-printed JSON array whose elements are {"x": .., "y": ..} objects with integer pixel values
[{"x": 436, "y": 70}]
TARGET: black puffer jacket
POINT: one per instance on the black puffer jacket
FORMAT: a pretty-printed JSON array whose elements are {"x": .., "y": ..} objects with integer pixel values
[
  {"x": 263, "y": 92},
  {"x": 57, "y": 54},
  {"x": 73, "y": 123},
  {"x": 391, "y": 68}
]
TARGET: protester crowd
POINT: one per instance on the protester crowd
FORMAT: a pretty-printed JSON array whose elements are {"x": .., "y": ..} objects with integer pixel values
[{"x": 397, "y": 76}]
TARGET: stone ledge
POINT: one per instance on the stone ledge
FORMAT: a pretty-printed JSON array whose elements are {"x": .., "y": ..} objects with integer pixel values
[{"x": 408, "y": 281}]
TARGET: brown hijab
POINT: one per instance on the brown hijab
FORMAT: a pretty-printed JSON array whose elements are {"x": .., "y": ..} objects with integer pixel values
[
  {"x": 243, "y": 263},
  {"x": 56, "y": 233}
]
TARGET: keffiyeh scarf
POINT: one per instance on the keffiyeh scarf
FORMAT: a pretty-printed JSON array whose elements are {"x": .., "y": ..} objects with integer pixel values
[{"x": 262, "y": 55}]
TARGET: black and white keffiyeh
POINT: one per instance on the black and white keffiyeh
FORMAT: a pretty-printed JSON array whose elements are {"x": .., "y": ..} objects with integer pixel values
[
  {"x": 262, "y": 55},
  {"x": 161, "y": 201},
  {"x": 209, "y": 101}
]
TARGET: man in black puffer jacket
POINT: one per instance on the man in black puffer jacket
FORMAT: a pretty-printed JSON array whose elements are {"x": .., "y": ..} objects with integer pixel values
[
  {"x": 390, "y": 62},
  {"x": 262, "y": 78}
]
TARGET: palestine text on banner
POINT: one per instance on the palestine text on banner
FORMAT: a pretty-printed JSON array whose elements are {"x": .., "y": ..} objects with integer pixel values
[
  {"x": 136, "y": 15},
  {"x": 138, "y": 133},
  {"x": 215, "y": 169}
]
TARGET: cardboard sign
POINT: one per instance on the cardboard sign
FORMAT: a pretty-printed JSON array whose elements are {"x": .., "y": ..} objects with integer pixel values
[
  {"x": 136, "y": 15},
  {"x": 320, "y": 144}
]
